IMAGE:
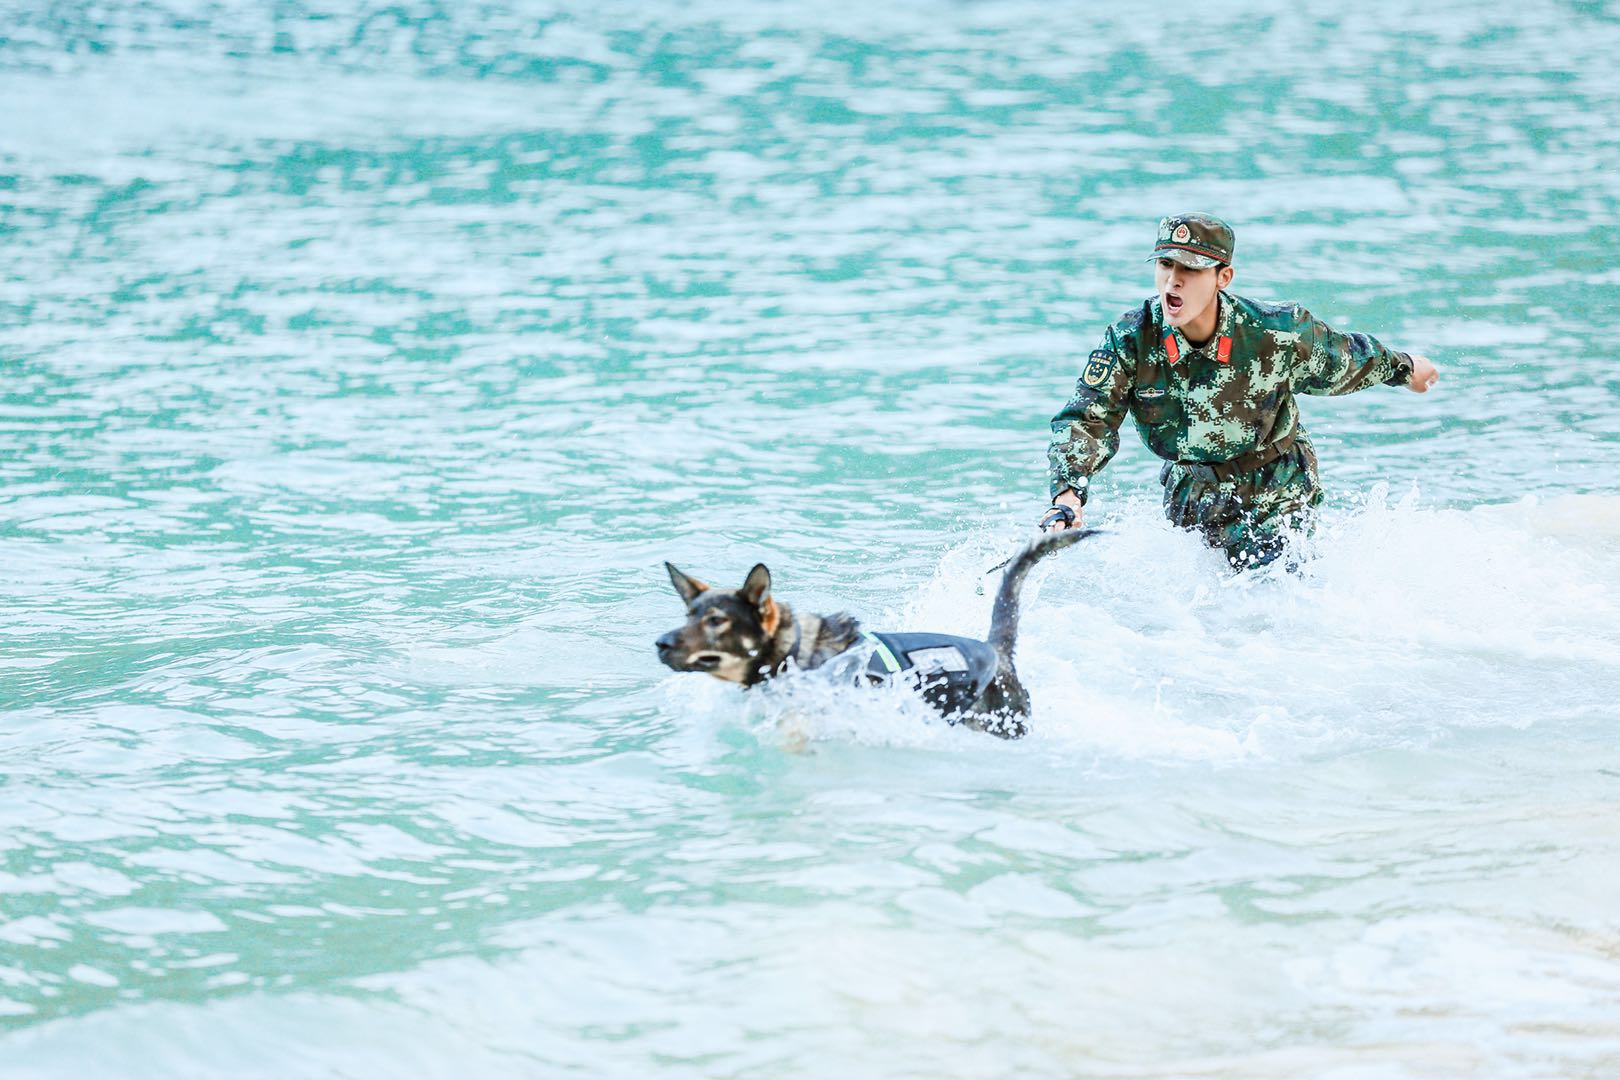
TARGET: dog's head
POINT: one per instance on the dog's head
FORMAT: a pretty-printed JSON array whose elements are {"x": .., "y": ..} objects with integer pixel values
[{"x": 726, "y": 630}]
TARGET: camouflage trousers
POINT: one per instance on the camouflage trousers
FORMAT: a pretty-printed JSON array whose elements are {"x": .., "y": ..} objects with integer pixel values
[{"x": 1251, "y": 516}]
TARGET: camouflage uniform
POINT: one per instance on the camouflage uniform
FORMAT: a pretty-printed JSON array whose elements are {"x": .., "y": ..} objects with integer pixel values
[{"x": 1238, "y": 465}]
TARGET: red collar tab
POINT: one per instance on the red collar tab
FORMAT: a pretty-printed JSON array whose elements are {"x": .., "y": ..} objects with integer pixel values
[
  {"x": 1223, "y": 350},
  {"x": 1172, "y": 348}
]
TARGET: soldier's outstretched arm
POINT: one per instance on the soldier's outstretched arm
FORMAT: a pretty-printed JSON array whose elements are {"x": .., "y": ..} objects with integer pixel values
[
  {"x": 1329, "y": 362},
  {"x": 1085, "y": 432}
]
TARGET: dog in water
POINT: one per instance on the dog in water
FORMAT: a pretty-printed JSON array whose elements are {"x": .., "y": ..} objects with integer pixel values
[{"x": 747, "y": 636}]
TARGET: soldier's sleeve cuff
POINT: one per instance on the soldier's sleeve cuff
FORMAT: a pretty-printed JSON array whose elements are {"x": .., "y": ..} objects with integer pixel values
[
  {"x": 1403, "y": 370},
  {"x": 1059, "y": 486}
]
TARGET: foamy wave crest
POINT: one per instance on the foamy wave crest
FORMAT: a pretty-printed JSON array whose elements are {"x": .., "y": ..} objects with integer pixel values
[
  {"x": 813, "y": 706},
  {"x": 1403, "y": 624}
]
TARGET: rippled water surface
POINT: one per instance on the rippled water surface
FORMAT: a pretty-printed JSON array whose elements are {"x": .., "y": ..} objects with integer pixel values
[{"x": 362, "y": 365}]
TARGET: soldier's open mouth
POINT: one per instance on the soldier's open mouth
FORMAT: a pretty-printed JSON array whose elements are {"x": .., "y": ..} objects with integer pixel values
[{"x": 1172, "y": 304}]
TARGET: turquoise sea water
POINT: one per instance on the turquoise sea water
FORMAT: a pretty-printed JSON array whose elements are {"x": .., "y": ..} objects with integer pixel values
[{"x": 361, "y": 366}]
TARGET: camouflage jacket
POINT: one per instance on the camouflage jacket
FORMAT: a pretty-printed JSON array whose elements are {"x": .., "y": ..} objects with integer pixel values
[{"x": 1230, "y": 397}]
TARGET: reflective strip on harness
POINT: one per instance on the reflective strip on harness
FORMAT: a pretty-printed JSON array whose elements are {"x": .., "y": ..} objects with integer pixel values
[{"x": 883, "y": 652}]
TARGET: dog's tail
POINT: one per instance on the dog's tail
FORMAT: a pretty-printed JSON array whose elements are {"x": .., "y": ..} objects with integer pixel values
[{"x": 1004, "y": 616}]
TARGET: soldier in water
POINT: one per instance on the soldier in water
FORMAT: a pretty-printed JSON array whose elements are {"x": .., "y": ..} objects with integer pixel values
[{"x": 1210, "y": 380}]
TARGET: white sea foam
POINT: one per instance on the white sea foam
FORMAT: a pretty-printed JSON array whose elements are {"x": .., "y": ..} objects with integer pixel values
[{"x": 1404, "y": 624}]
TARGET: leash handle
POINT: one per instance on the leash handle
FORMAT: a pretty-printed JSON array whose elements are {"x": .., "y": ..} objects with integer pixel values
[{"x": 1058, "y": 510}]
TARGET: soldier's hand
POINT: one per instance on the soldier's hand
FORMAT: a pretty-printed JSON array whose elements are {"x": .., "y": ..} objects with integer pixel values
[
  {"x": 1424, "y": 374},
  {"x": 1056, "y": 522}
]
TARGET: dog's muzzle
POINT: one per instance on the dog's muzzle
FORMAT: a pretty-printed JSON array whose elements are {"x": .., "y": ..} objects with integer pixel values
[{"x": 669, "y": 654}]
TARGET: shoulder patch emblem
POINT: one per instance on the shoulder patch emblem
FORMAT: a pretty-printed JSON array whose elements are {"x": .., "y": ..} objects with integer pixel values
[{"x": 1098, "y": 367}]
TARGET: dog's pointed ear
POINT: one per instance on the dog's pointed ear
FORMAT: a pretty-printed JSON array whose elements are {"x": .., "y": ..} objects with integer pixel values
[
  {"x": 757, "y": 589},
  {"x": 690, "y": 588}
]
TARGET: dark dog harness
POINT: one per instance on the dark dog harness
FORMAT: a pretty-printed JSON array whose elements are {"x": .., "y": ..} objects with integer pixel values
[{"x": 951, "y": 672}]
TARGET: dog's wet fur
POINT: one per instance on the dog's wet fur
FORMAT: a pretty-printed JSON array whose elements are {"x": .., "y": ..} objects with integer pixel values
[{"x": 747, "y": 636}]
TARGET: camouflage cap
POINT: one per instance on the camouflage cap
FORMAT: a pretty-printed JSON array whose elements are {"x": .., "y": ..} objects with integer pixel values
[{"x": 1197, "y": 241}]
